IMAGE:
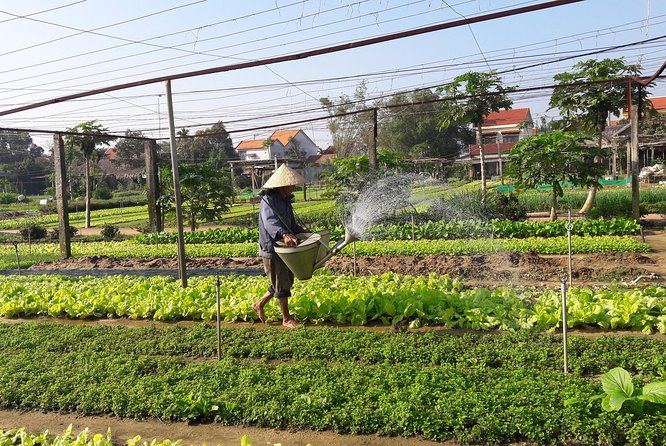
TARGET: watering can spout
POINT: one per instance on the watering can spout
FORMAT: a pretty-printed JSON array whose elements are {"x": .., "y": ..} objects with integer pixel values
[{"x": 350, "y": 237}]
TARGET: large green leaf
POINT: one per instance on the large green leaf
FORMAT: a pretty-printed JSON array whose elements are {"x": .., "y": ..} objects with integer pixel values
[
  {"x": 654, "y": 392},
  {"x": 618, "y": 387}
]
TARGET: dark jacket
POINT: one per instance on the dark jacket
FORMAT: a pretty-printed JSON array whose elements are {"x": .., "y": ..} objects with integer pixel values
[{"x": 271, "y": 226}]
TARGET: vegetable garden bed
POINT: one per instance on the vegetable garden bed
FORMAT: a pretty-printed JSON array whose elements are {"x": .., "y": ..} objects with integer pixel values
[{"x": 471, "y": 388}]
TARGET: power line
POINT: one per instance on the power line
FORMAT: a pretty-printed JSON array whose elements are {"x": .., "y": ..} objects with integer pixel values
[{"x": 302, "y": 55}]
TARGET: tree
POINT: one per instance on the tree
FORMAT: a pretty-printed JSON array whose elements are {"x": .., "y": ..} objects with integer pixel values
[
  {"x": 352, "y": 173},
  {"x": 352, "y": 133},
  {"x": 585, "y": 104},
  {"x": 91, "y": 135},
  {"x": 212, "y": 144},
  {"x": 414, "y": 130},
  {"x": 130, "y": 151},
  {"x": 482, "y": 93},
  {"x": 553, "y": 158},
  {"x": 294, "y": 151},
  {"x": 205, "y": 191},
  {"x": 22, "y": 164}
]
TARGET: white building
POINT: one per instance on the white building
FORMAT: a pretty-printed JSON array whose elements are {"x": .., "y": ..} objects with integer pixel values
[{"x": 279, "y": 145}]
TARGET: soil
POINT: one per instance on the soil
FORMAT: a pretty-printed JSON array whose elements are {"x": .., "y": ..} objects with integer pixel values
[
  {"x": 520, "y": 269},
  {"x": 527, "y": 269}
]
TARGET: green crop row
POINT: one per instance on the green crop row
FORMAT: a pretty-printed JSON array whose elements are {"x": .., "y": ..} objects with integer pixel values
[
  {"x": 20, "y": 437},
  {"x": 130, "y": 214},
  {"x": 30, "y": 254},
  {"x": 429, "y": 230},
  {"x": 588, "y": 356},
  {"x": 489, "y": 405},
  {"x": 386, "y": 299}
]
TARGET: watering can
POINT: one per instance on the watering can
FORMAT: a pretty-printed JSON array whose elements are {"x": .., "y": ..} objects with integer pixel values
[{"x": 311, "y": 253}]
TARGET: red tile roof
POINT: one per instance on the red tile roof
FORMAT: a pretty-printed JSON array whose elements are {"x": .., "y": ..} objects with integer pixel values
[
  {"x": 319, "y": 160},
  {"x": 659, "y": 103},
  {"x": 250, "y": 145},
  {"x": 506, "y": 117},
  {"x": 284, "y": 135}
]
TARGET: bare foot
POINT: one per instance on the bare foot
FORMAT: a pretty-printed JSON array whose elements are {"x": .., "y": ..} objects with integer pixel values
[
  {"x": 291, "y": 323},
  {"x": 260, "y": 311}
]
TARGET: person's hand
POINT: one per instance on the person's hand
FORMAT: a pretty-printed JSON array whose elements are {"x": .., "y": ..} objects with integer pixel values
[{"x": 290, "y": 239}]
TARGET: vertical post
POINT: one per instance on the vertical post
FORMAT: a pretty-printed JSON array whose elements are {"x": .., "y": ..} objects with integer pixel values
[
  {"x": 635, "y": 193},
  {"x": 61, "y": 196},
  {"x": 564, "y": 325},
  {"x": 500, "y": 139},
  {"x": 233, "y": 183},
  {"x": 628, "y": 159},
  {"x": 151, "y": 184},
  {"x": 413, "y": 233},
  {"x": 219, "y": 335},
  {"x": 372, "y": 150},
  {"x": 18, "y": 260},
  {"x": 569, "y": 228},
  {"x": 176, "y": 190},
  {"x": 354, "y": 257}
]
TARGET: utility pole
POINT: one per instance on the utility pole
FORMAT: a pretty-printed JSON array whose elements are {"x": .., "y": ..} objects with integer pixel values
[
  {"x": 64, "y": 238},
  {"x": 372, "y": 150},
  {"x": 635, "y": 191},
  {"x": 176, "y": 190}
]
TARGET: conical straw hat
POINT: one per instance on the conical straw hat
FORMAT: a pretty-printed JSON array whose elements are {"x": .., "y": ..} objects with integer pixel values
[{"x": 284, "y": 176}]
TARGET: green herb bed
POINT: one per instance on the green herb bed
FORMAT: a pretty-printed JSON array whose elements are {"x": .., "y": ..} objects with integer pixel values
[
  {"x": 386, "y": 299},
  {"x": 486, "y": 389},
  {"x": 429, "y": 230},
  {"x": 39, "y": 252}
]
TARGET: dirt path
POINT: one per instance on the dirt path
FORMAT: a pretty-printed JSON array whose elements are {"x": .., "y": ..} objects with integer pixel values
[
  {"x": 211, "y": 434},
  {"x": 491, "y": 270}
]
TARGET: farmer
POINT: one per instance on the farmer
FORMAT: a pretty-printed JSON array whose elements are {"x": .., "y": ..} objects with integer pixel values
[{"x": 277, "y": 223}]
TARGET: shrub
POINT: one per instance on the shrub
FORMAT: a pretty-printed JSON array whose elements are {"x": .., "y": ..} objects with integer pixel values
[
  {"x": 109, "y": 232},
  {"x": 55, "y": 233},
  {"x": 7, "y": 198},
  {"x": 33, "y": 231},
  {"x": 102, "y": 193}
]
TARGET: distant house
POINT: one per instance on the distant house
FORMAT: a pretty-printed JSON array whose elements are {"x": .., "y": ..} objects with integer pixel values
[
  {"x": 315, "y": 165},
  {"x": 651, "y": 148},
  {"x": 500, "y": 132},
  {"x": 281, "y": 144}
]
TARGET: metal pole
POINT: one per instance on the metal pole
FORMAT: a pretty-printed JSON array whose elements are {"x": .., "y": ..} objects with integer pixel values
[
  {"x": 635, "y": 187},
  {"x": 219, "y": 335},
  {"x": 569, "y": 228},
  {"x": 176, "y": 190},
  {"x": 354, "y": 263},
  {"x": 564, "y": 325},
  {"x": 18, "y": 261}
]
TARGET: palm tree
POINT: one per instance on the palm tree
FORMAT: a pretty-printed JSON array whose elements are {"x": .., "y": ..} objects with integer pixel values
[
  {"x": 473, "y": 96},
  {"x": 89, "y": 135}
]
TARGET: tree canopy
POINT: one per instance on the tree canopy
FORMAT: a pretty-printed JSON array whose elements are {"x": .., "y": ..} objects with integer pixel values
[
  {"x": 130, "y": 151},
  {"x": 584, "y": 102},
  {"x": 21, "y": 163},
  {"x": 471, "y": 97},
  {"x": 415, "y": 130},
  {"x": 555, "y": 158},
  {"x": 205, "y": 191},
  {"x": 352, "y": 133}
]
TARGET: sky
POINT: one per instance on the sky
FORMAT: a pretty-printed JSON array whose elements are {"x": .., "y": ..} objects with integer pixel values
[{"x": 54, "y": 48}]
